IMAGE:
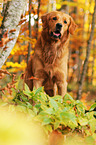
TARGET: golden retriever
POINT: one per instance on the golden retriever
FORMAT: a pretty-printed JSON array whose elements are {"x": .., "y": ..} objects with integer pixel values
[{"x": 49, "y": 62}]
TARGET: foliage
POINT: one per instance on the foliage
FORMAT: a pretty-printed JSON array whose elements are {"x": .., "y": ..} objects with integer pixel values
[
  {"x": 66, "y": 115},
  {"x": 81, "y": 11},
  {"x": 21, "y": 129},
  {"x": 55, "y": 113}
]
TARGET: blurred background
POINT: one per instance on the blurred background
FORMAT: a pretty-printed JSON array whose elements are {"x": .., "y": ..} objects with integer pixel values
[{"x": 31, "y": 26}]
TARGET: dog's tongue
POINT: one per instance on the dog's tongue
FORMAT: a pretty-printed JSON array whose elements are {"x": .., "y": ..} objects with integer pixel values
[{"x": 56, "y": 34}]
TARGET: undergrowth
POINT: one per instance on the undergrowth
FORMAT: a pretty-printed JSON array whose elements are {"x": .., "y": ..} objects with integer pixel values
[{"x": 53, "y": 113}]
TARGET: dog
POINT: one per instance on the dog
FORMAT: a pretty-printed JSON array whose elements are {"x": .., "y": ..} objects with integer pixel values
[{"x": 48, "y": 65}]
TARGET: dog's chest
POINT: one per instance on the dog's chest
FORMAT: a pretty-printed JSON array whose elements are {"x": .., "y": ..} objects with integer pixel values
[
  {"x": 55, "y": 59},
  {"x": 52, "y": 52}
]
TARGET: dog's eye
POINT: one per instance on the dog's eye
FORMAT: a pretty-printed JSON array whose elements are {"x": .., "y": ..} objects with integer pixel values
[
  {"x": 54, "y": 18},
  {"x": 65, "y": 21}
]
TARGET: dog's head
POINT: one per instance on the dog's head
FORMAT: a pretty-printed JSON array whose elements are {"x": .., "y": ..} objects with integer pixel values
[{"x": 57, "y": 23}]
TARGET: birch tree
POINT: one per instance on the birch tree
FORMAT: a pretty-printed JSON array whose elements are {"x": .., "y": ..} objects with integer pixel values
[{"x": 12, "y": 15}]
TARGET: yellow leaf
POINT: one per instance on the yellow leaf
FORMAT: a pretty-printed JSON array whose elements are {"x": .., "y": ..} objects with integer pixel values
[
  {"x": 58, "y": 6},
  {"x": 86, "y": 26},
  {"x": 92, "y": 7}
]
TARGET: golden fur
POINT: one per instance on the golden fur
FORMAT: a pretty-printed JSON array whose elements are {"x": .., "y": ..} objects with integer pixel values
[{"x": 49, "y": 62}]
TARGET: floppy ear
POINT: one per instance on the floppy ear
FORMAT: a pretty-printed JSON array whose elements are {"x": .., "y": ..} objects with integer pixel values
[
  {"x": 44, "y": 20},
  {"x": 72, "y": 26}
]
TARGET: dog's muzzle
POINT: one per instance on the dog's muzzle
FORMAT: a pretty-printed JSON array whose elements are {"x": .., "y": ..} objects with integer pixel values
[{"x": 57, "y": 34}]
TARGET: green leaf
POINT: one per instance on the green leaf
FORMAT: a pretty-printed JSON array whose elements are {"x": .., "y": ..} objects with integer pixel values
[
  {"x": 44, "y": 107},
  {"x": 29, "y": 94},
  {"x": 43, "y": 113},
  {"x": 21, "y": 108},
  {"x": 39, "y": 90},
  {"x": 87, "y": 132},
  {"x": 19, "y": 83},
  {"x": 78, "y": 102},
  {"x": 73, "y": 125},
  {"x": 80, "y": 107},
  {"x": 92, "y": 124},
  {"x": 46, "y": 121},
  {"x": 26, "y": 88},
  {"x": 30, "y": 112},
  {"x": 38, "y": 106},
  {"x": 53, "y": 104},
  {"x": 49, "y": 128},
  {"x": 50, "y": 111},
  {"x": 90, "y": 115},
  {"x": 14, "y": 91},
  {"x": 92, "y": 107},
  {"x": 58, "y": 98},
  {"x": 66, "y": 109},
  {"x": 66, "y": 117},
  {"x": 56, "y": 125},
  {"x": 43, "y": 95},
  {"x": 68, "y": 97},
  {"x": 83, "y": 121},
  {"x": 24, "y": 98},
  {"x": 29, "y": 105},
  {"x": 35, "y": 110}
]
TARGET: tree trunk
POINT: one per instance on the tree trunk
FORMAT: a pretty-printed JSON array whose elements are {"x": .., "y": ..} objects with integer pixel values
[
  {"x": 37, "y": 21},
  {"x": 29, "y": 47},
  {"x": 87, "y": 55},
  {"x": 94, "y": 46},
  {"x": 12, "y": 15}
]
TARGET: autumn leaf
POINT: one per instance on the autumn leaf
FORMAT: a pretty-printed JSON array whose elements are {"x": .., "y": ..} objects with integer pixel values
[
  {"x": 5, "y": 39},
  {"x": 4, "y": 71},
  {"x": 13, "y": 30},
  {"x": 33, "y": 78},
  {"x": 22, "y": 21},
  {"x": 5, "y": 48}
]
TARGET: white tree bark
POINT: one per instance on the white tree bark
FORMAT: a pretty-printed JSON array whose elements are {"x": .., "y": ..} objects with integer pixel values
[{"x": 12, "y": 15}]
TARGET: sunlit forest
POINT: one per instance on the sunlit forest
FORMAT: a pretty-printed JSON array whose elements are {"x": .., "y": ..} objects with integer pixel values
[{"x": 20, "y": 27}]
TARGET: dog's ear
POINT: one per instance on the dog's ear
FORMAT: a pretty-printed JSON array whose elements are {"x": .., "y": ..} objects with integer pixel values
[
  {"x": 44, "y": 18},
  {"x": 72, "y": 26}
]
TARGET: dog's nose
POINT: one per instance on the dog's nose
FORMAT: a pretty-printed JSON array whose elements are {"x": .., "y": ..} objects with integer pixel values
[{"x": 58, "y": 26}]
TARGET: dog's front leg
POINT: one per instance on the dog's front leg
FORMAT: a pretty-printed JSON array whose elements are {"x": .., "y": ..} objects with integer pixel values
[
  {"x": 60, "y": 79},
  {"x": 62, "y": 89},
  {"x": 55, "y": 89},
  {"x": 37, "y": 83}
]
